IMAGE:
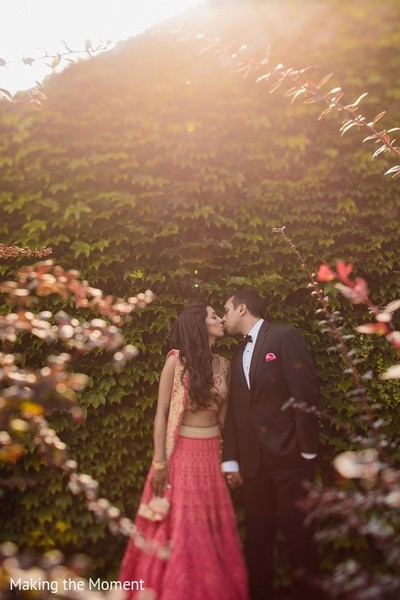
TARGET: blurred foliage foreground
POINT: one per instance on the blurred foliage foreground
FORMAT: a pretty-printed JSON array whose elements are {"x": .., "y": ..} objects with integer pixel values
[{"x": 157, "y": 166}]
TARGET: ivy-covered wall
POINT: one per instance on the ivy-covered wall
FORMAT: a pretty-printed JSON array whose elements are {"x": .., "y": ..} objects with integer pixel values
[{"x": 157, "y": 166}]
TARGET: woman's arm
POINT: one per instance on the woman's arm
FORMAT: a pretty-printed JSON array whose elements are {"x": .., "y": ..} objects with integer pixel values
[{"x": 159, "y": 479}]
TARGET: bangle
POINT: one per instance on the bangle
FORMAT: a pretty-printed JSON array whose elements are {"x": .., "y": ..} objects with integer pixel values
[{"x": 159, "y": 465}]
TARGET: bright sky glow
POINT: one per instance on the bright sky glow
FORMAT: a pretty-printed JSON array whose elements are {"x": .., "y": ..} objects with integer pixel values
[{"x": 27, "y": 25}]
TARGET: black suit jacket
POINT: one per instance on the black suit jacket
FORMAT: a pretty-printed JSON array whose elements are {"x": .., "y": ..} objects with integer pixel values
[{"x": 256, "y": 427}]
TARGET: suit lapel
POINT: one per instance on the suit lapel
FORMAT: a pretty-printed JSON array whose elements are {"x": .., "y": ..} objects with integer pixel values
[{"x": 257, "y": 352}]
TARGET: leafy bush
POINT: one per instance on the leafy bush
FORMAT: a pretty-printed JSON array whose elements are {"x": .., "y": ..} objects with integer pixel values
[{"x": 155, "y": 166}]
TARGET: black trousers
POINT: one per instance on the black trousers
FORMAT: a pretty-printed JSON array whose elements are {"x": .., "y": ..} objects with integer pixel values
[{"x": 270, "y": 500}]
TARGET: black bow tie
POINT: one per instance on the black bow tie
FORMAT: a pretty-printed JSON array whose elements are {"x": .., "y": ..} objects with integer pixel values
[{"x": 245, "y": 339}]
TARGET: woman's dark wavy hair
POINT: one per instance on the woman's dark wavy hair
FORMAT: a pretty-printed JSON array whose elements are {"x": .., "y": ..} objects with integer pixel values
[{"x": 189, "y": 336}]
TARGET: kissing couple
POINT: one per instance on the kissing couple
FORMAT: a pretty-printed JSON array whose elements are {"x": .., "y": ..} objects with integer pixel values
[{"x": 267, "y": 452}]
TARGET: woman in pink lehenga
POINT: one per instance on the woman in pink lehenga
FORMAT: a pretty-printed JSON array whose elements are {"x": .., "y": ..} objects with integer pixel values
[{"x": 206, "y": 561}]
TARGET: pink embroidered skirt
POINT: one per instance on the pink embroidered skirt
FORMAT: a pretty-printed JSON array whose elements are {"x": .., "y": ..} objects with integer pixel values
[{"x": 206, "y": 561}]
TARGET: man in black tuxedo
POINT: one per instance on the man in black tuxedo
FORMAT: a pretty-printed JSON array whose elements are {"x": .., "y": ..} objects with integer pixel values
[{"x": 268, "y": 449}]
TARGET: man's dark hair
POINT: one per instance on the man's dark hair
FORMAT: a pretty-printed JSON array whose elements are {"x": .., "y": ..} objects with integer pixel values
[{"x": 248, "y": 296}]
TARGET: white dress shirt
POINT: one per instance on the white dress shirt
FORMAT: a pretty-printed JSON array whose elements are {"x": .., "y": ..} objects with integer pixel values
[
  {"x": 249, "y": 349},
  {"x": 232, "y": 466}
]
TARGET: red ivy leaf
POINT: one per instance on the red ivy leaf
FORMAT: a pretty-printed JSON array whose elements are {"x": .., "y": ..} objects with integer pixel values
[
  {"x": 325, "y": 273},
  {"x": 377, "y": 328},
  {"x": 343, "y": 271}
]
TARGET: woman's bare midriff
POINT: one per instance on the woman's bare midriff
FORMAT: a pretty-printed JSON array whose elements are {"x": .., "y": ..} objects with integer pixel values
[{"x": 200, "y": 418}]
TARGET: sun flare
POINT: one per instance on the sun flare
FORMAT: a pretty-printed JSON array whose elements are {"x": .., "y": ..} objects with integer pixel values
[{"x": 29, "y": 29}]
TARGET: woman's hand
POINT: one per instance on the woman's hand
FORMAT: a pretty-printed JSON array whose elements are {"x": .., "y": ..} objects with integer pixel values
[
  {"x": 159, "y": 481},
  {"x": 160, "y": 472}
]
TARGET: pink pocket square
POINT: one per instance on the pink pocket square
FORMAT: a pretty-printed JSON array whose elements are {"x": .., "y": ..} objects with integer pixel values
[{"x": 270, "y": 356}]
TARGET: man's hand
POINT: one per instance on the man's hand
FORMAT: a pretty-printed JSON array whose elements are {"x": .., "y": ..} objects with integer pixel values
[
  {"x": 159, "y": 481},
  {"x": 234, "y": 479}
]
